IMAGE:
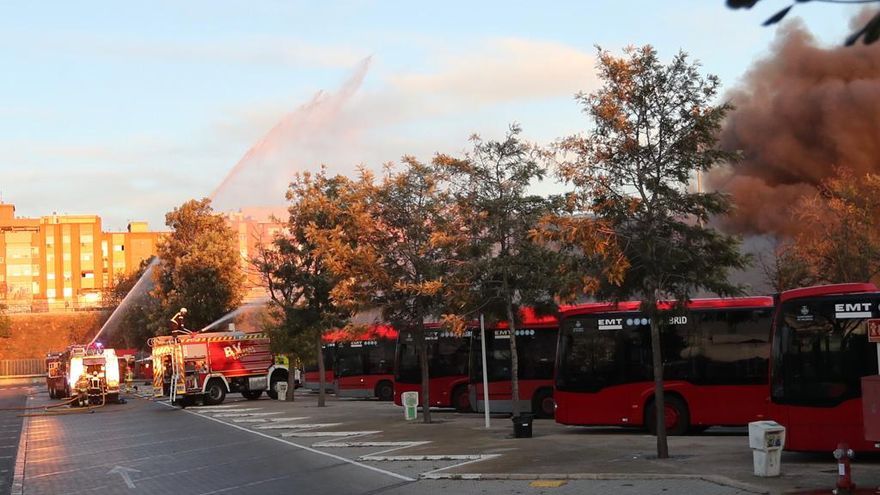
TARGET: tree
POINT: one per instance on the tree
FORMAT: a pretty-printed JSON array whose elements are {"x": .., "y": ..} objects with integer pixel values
[
  {"x": 869, "y": 33},
  {"x": 199, "y": 269},
  {"x": 654, "y": 128},
  {"x": 838, "y": 239},
  {"x": 5, "y": 323},
  {"x": 505, "y": 270},
  {"x": 785, "y": 270},
  {"x": 395, "y": 249},
  {"x": 296, "y": 274}
]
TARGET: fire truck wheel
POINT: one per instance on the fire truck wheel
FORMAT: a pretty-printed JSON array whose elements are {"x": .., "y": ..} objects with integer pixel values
[
  {"x": 52, "y": 394},
  {"x": 215, "y": 392},
  {"x": 385, "y": 391},
  {"x": 277, "y": 376},
  {"x": 252, "y": 394}
]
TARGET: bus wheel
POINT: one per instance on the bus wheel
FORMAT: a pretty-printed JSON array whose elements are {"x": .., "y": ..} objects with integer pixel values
[
  {"x": 385, "y": 391},
  {"x": 678, "y": 417},
  {"x": 252, "y": 394},
  {"x": 215, "y": 393},
  {"x": 543, "y": 405},
  {"x": 460, "y": 399}
]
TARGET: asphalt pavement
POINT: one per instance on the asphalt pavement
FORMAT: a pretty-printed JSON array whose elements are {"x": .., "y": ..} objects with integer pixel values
[
  {"x": 268, "y": 447},
  {"x": 10, "y": 428}
]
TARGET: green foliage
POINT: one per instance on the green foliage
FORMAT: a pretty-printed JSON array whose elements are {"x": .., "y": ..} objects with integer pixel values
[
  {"x": 200, "y": 267},
  {"x": 504, "y": 269}
]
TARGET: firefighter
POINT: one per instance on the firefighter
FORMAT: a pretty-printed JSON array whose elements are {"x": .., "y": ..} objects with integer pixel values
[{"x": 177, "y": 323}]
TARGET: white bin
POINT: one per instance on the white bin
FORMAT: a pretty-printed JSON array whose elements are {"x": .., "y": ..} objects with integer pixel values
[
  {"x": 410, "y": 401},
  {"x": 281, "y": 389},
  {"x": 766, "y": 439}
]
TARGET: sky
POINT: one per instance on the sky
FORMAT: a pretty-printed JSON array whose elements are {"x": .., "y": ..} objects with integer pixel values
[{"x": 128, "y": 109}]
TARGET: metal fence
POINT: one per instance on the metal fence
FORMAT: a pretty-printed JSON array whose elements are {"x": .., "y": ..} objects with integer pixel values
[{"x": 22, "y": 367}]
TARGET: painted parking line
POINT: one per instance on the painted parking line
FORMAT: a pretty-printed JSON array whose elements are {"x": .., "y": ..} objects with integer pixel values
[
  {"x": 307, "y": 448},
  {"x": 246, "y": 415},
  {"x": 267, "y": 420},
  {"x": 313, "y": 434},
  {"x": 295, "y": 426}
]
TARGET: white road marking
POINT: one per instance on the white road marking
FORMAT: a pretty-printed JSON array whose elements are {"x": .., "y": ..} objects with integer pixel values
[
  {"x": 433, "y": 474},
  {"x": 295, "y": 426},
  {"x": 264, "y": 420},
  {"x": 246, "y": 415},
  {"x": 306, "y": 448},
  {"x": 401, "y": 458},
  {"x": 211, "y": 408},
  {"x": 312, "y": 434},
  {"x": 232, "y": 411}
]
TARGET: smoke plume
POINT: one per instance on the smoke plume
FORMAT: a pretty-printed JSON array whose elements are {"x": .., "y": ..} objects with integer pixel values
[{"x": 801, "y": 111}]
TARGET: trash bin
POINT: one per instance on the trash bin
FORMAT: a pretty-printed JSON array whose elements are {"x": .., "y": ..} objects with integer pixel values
[
  {"x": 522, "y": 425},
  {"x": 410, "y": 401},
  {"x": 766, "y": 439},
  {"x": 281, "y": 388}
]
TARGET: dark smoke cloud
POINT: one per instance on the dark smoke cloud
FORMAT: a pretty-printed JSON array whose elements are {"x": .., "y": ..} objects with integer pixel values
[{"x": 800, "y": 112}]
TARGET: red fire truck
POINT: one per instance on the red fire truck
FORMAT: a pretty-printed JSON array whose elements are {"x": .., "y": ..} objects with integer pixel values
[
  {"x": 89, "y": 373},
  {"x": 207, "y": 366}
]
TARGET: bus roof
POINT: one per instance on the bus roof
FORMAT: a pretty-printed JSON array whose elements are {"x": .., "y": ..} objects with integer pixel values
[
  {"x": 706, "y": 303},
  {"x": 827, "y": 290},
  {"x": 373, "y": 332}
]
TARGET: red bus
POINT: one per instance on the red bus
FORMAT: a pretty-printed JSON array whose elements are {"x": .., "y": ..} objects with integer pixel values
[
  {"x": 311, "y": 375},
  {"x": 536, "y": 353},
  {"x": 715, "y": 364},
  {"x": 820, "y": 353},
  {"x": 447, "y": 368},
  {"x": 364, "y": 364}
]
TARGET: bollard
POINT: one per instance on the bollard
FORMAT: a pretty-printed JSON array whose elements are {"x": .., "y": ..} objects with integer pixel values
[{"x": 844, "y": 455}]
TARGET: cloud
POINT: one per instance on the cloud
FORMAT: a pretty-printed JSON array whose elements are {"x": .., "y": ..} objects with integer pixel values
[{"x": 506, "y": 69}]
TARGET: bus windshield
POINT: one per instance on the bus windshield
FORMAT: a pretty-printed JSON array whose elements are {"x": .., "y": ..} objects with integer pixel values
[
  {"x": 447, "y": 355},
  {"x": 536, "y": 350},
  {"x": 821, "y": 349},
  {"x": 715, "y": 346}
]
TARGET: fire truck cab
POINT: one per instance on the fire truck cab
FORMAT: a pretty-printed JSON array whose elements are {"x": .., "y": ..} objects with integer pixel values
[{"x": 207, "y": 366}]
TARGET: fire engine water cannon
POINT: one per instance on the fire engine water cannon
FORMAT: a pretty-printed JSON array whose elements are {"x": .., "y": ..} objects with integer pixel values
[
  {"x": 91, "y": 374},
  {"x": 203, "y": 367}
]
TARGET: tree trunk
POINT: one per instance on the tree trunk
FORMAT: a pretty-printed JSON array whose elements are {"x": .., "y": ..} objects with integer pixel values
[
  {"x": 514, "y": 361},
  {"x": 291, "y": 379},
  {"x": 659, "y": 403},
  {"x": 422, "y": 349},
  {"x": 322, "y": 394}
]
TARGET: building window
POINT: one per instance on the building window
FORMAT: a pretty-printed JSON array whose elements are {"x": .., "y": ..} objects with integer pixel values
[
  {"x": 86, "y": 257},
  {"x": 68, "y": 292},
  {"x": 50, "y": 293},
  {"x": 50, "y": 276}
]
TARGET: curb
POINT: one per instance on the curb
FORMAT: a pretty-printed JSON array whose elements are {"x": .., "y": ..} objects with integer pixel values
[
  {"x": 718, "y": 480},
  {"x": 21, "y": 457}
]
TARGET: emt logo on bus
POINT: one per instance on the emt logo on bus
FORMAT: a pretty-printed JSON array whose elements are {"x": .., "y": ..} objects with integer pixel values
[{"x": 852, "y": 310}]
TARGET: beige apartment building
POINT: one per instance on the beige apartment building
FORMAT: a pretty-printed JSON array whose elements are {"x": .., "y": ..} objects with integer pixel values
[
  {"x": 66, "y": 262},
  {"x": 63, "y": 262}
]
